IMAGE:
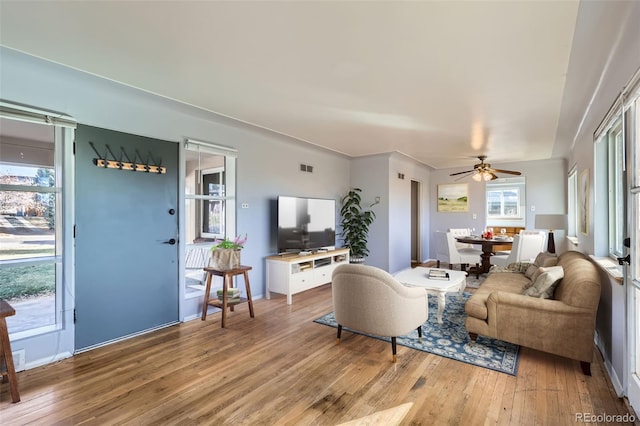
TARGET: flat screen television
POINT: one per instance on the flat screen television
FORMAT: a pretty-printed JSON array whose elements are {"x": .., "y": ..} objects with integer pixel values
[{"x": 306, "y": 224}]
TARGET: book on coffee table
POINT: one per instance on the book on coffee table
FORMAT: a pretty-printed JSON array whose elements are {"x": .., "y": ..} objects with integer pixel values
[{"x": 437, "y": 274}]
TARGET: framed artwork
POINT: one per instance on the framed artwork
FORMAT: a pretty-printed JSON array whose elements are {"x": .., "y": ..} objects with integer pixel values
[
  {"x": 453, "y": 197},
  {"x": 583, "y": 208}
]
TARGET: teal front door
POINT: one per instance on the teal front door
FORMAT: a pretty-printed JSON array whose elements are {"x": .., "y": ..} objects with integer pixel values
[{"x": 126, "y": 232}]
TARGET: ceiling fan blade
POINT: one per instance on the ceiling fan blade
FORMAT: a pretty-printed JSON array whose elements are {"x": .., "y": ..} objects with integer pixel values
[
  {"x": 461, "y": 177},
  {"x": 459, "y": 173},
  {"x": 511, "y": 172}
]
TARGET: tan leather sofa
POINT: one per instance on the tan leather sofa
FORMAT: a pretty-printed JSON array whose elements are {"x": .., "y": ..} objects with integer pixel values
[{"x": 563, "y": 325}]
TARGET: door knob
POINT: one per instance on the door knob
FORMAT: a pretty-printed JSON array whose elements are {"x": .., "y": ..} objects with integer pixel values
[
  {"x": 172, "y": 241},
  {"x": 172, "y": 211}
]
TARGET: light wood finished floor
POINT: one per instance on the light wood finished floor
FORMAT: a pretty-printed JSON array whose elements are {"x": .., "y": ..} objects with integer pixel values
[{"x": 282, "y": 369}]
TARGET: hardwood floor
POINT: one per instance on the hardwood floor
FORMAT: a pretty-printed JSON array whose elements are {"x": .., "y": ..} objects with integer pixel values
[{"x": 281, "y": 368}]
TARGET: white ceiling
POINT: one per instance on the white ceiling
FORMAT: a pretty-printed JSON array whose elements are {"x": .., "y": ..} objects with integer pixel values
[{"x": 439, "y": 81}]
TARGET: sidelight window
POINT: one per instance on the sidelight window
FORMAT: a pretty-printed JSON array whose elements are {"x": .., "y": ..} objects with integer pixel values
[{"x": 31, "y": 252}]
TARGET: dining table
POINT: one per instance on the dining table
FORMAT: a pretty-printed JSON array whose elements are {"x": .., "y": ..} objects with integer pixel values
[{"x": 487, "y": 247}]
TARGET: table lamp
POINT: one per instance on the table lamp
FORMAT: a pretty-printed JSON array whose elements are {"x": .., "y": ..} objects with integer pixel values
[{"x": 551, "y": 222}]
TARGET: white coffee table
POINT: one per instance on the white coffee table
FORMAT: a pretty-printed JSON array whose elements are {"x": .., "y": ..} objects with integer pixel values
[{"x": 418, "y": 277}]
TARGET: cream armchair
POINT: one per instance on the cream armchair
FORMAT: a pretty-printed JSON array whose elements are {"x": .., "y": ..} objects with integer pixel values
[{"x": 370, "y": 300}]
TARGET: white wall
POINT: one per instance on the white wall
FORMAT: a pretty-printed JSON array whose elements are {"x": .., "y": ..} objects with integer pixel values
[
  {"x": 371, "y": 175},
  {"x": 400, "y": 210},
  {"x": 390, "y": 234}
]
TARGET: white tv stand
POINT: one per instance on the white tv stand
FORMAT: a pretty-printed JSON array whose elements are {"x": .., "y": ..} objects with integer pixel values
[{"x": 292, "y": 273}]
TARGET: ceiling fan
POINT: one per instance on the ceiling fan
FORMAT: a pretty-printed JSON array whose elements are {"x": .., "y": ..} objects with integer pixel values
[{"x": 483, "y": 171}]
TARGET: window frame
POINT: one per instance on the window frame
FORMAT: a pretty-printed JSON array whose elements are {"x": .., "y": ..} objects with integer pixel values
[
  {"x": 611, "y": 156},
  {"x": 61, "y": 259},
  {"x": 229, "y": 197},
  {"x": 572, "y": 203}
]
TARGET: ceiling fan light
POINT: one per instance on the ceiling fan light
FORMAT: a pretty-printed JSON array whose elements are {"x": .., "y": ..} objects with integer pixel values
[
  {"x": 477, "y": 177},
  {"x": 487, "y": 176}
]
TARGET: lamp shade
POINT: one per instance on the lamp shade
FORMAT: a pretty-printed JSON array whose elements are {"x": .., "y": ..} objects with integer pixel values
[{"x": 551, "y": 221}]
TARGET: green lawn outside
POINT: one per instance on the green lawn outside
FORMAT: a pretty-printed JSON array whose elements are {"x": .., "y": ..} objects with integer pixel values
[{"x": 17, "y": 282}]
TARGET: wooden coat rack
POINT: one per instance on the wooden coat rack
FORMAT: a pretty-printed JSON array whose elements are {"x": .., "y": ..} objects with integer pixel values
[{"x": 110, "y": 161}]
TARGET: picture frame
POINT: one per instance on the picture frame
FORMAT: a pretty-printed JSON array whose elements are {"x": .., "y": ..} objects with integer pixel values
[
  {"x": 583, "y": 200},
  {"x": 453, "y": 198}
]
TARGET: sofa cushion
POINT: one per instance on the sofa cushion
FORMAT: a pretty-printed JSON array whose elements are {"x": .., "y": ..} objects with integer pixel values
[
  {"x": 545, "y": 283},
  {"x": 546, "y": 259},
  {"x": 508, "y": 282}
]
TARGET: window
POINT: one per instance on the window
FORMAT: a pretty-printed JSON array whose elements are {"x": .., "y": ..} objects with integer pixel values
[
  {"x": 611, "y": 157},
  {"x": 572, "y": 202},
  {"x": 616, "y": 188},
  {"x": 213, "y": 208},
  {"x": 31, "y": 224},
  {"x": 210, "y": 192},
  {"x": 210, "y": 203},
  {"x": 505, "y": 202}
]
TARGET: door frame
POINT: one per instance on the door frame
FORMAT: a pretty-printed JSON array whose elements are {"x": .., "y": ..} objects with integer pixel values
[
  {"x": 632, "y": 371},
  {"x": 416, "y": 210}
]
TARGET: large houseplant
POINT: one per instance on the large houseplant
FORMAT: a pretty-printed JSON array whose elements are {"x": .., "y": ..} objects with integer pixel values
[{"x": 355, "y": 225}]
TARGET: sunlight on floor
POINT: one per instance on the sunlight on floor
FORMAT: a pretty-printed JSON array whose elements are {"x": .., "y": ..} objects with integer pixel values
[{"x": 392, "y": 416}]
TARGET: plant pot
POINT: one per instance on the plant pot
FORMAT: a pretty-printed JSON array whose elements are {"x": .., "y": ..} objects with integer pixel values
[{"x": 225, "y": 258}]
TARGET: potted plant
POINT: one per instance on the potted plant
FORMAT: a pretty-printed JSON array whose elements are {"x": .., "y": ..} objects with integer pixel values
[
  {"x": 355, "y": 225},
  {"x": 225, "y": 253}
]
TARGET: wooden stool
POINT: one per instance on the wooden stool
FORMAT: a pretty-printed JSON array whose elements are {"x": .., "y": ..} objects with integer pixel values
[
  {"x": 6, "y": 357},
  {"x": 227, "y": 282}
]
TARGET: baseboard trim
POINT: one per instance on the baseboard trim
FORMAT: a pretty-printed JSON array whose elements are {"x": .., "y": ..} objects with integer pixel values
[{"x": 613, "y": 377}]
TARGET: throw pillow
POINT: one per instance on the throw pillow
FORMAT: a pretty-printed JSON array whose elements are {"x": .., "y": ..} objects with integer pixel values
[
  {"x": 520, "y": 267},
  {"x": 517, "y": 267},
  {"x": 530, "y": 271},
  {"x": 498, "y": 268},
  {"x": 546, "y": 259},
  {"x": 539, "y": 271},
  {"x": 546, "y": 283}
]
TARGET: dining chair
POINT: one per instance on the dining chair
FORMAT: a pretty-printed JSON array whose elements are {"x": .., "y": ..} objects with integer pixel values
[
  {"x": 446, "y": 251},
  {"x": 461, "y": 232},
  {"x": 507, "y": 258},
  {"x": 526, "y": 246},
  {"x": 531, "y": 244}
]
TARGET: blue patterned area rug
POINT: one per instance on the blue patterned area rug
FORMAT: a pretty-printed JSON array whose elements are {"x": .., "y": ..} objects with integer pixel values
[{"x": 451, "y": 340}]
